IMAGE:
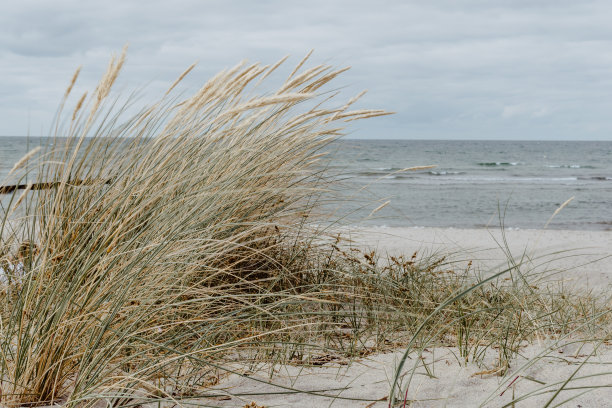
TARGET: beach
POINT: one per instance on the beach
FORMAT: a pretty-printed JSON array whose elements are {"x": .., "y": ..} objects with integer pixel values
[
  {"x": 582, "y": 258},
  {"x": 583, "y": 261},
  {"x": 215, "y": 251},
  {"x": 441, "y": 381}
]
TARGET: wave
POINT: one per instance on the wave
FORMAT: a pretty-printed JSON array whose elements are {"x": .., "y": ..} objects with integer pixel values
[
  {"x": 397, "y": 171},
  {"x": 392, "y": 173},
  {"x": 499, "y": 164},
  {"x": 517, "y": 179},
  {"x": 426, "y": 178},
  {"x": 445, "y": 173},
  {"x": 568, "y": 166},
  {"x": 462, "y": 176},
  {"x": 596, "y": 178},
  {"x": 375, "y": 173},
  {"x": 388, "y": 168}
]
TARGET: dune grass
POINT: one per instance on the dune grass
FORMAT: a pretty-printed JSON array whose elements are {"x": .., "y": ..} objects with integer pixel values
[{"x": 184, "y": 242}]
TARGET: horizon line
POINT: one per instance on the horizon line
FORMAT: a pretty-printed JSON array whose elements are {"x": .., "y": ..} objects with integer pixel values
[{"x": 411, "y": 139}]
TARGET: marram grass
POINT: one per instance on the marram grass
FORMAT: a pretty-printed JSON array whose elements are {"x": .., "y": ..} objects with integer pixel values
[
  {"x": 166, "y": 239},
  {"x": 150, "y": 255}
]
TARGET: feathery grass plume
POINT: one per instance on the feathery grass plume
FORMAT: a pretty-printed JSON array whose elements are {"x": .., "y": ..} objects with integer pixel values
[
  {"x": 78, "y": 106},
  {"x": 270, "y": 70},
  {"x": 21, "y": 197},
  {"x": 72, "y": 82},
  {"x": 24, "y": 160},
  {"x": 415, "y": 168},
  {"x": 371, "y": 114},
  {"x": 299, "y": 65},
  {"x": 349, "y": 103},
  {"x": 108, "y": 79},
  {"x": 380, "y": 207},
  {"x": 558, "y": 210},
  {"x": 270, "y": 100},
  {"x": 181, "y": 77}
]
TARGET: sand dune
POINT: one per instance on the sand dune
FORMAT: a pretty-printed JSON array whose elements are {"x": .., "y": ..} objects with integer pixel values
[{"x": 443, "y": 379}]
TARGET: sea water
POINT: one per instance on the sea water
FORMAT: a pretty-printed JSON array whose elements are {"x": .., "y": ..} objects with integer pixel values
[{"x": 519, "y": 184}]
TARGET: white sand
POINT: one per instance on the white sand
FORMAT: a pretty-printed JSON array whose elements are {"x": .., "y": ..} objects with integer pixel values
[
  {"x": 452, "y": 383},
  {"x": 584, "y": 256}
]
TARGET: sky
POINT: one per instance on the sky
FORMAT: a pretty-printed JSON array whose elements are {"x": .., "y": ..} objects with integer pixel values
[{"x": 451, "y": 69}]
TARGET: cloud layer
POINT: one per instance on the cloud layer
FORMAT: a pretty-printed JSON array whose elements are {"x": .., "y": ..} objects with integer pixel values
[{"x": 472, "y": 69}]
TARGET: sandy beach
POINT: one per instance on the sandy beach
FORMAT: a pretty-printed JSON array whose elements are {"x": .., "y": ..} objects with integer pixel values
[
  {"x": 306, "y": 204},
  {"x": 584, "y": 258},
  {"x": 445, "y": 383},
  {"x": 443, "y": 379}
]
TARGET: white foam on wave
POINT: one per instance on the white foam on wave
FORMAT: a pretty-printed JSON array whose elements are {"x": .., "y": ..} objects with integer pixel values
[
  {"x": 445, "y": 173},
  {"x": 564, "y": 166}
]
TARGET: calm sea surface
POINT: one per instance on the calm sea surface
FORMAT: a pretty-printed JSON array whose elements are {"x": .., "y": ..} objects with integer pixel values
[
  {"x": 475, "y": 183},
  {"x": 480, "y": 183}
]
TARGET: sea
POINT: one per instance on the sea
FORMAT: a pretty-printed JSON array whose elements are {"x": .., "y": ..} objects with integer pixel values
[
  {"x": 477, "y": 184},
  {"x": 474, "y": 184}
]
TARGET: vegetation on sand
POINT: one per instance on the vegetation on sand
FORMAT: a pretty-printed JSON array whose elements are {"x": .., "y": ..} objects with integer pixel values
[{"x": 184, "y": 242}]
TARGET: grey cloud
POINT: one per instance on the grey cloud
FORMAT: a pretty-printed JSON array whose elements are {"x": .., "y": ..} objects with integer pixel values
[{"x": 474, "y": 68}]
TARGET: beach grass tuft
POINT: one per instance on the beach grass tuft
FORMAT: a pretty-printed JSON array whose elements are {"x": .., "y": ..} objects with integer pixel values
[{"x": 169, "y": 248}]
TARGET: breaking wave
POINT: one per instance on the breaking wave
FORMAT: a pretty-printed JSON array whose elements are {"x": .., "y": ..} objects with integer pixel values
[{"x": 491, "y": 164}]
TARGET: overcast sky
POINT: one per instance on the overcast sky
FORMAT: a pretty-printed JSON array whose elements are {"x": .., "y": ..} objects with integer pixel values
[{"x": 474, "y": 69}]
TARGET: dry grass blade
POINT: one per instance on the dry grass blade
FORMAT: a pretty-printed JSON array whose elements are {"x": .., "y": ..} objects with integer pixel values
[
  {"x": 72, "y": 82},
  {"x": 380, "y": 207},
  {"x": 21, "y": 197},
  {"x": 181, "y": 77},
  {"x": 24, "y": 160},
  {"x": 558, "y": 210},
  {"x": 78, "y": 106}
]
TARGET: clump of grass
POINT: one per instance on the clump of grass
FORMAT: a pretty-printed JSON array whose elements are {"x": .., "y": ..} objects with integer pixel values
[
  {"x": 162, "y": 241},
  {"x": 502, "y": 312},
  {"x": 152, "y": 254}
]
